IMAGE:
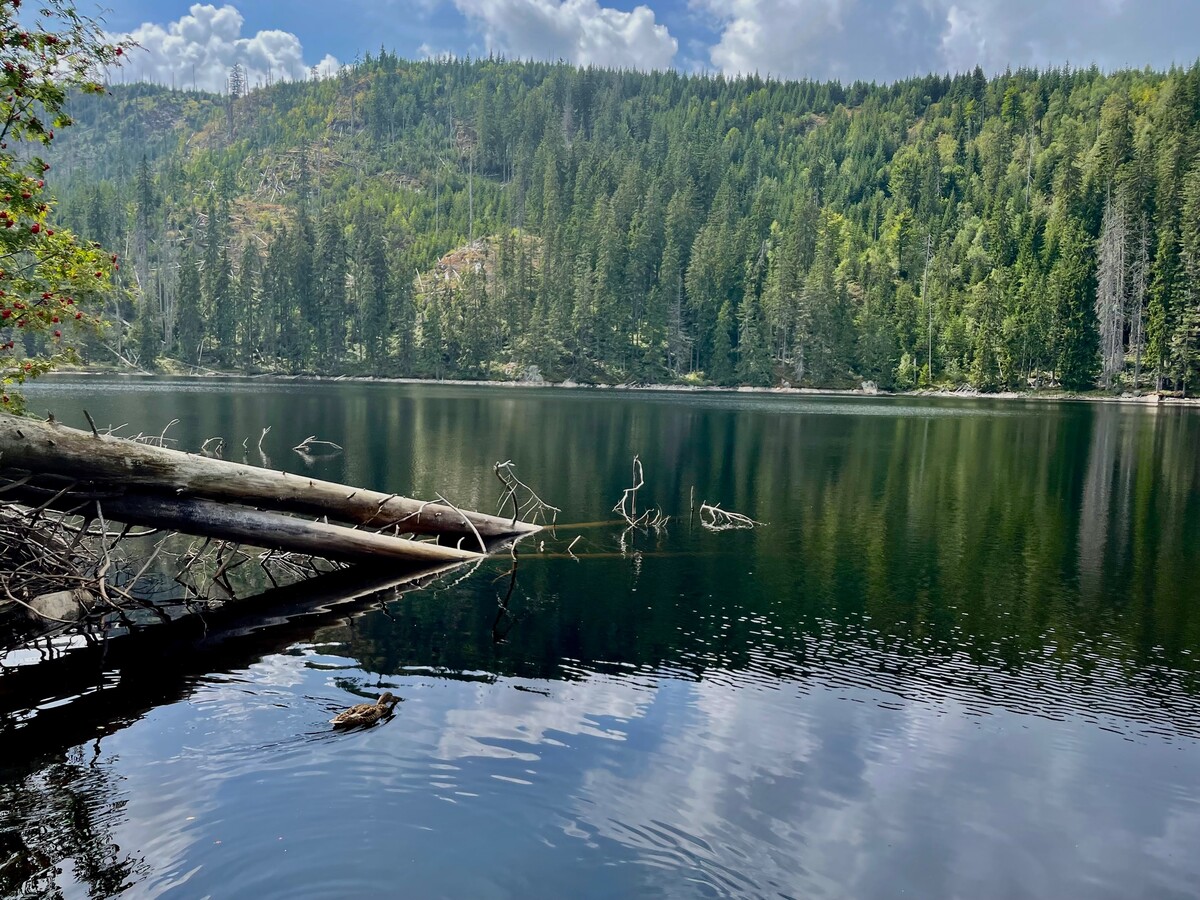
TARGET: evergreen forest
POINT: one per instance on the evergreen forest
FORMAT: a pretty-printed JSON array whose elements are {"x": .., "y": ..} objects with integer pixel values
[{"x": 481, "y": 218}]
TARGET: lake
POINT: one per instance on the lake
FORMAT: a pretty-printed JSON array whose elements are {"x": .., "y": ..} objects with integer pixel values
[{"x": 958, "y": 659}]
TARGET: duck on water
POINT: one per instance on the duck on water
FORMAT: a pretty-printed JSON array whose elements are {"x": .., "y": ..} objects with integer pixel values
[{"x": 366, "y": 713}]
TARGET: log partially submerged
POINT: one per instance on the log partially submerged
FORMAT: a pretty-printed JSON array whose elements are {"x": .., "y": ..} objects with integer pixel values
[
  {"x": 244, "y": 525},
  {"x": 46, "y": 464}
]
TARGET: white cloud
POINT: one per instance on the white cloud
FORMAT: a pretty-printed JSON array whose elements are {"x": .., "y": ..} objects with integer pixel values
[
  {"x": 201, "y": 47},
  {"x": 964, "y": 39},
  {"x": 996, "y": 34},
  {"x": 785, "y": 38},
  {"x": 579, "y": 31},
  {"x": 428, "y": 51},
  {"x": 885, "y": 40}
]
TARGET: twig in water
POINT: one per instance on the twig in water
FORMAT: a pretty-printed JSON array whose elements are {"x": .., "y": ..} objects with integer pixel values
[
  {"x": 714, "y": 518},
  {"x": 306, "y": 446}
]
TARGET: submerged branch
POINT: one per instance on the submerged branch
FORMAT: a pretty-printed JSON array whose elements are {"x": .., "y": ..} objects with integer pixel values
[
  {"x": 626, "y": 507},
  {"x": 714, "y": 518}
]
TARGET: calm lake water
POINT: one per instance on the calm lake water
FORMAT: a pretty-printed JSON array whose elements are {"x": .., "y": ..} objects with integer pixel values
[{"x": 959, "y": 660}]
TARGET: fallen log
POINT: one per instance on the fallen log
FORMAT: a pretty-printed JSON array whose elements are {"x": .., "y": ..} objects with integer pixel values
[
  {"x": 264, "y": 528},
  {"x": 139, "y": 471}
]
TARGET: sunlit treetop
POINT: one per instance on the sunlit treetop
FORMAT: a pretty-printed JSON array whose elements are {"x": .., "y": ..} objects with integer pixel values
[{"x": 52, "y": 285}]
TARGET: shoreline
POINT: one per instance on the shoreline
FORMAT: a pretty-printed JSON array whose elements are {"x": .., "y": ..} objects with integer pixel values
[{"x": 1051, "y": 396}]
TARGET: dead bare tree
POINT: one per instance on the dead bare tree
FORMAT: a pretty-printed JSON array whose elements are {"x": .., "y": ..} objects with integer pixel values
[
  {"x": 1110, "y": 287},
  {"x": 1139, "y": 279}
]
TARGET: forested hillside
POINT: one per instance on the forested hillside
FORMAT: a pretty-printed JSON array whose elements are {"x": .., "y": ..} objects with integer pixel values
[{"x": 1037, "y": 228}]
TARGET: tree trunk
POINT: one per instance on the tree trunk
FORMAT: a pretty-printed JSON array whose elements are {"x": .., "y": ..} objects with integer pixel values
[
  {"x": 262, "y": 528},
  {"x": 136, "y": 471}
]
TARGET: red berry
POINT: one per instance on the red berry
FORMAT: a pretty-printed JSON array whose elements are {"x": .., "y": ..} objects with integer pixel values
[
  {"x": 35, "y": 227},
  {"x": 58, "y": 334}
]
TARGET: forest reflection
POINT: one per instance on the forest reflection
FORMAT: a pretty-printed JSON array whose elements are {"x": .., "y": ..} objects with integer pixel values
[
  {"x": 966, "y": 555},
  {"x": 64, "y": 814}
]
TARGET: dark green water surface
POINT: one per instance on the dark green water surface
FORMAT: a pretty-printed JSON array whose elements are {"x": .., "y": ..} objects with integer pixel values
[{"x": 959, "y": 660}]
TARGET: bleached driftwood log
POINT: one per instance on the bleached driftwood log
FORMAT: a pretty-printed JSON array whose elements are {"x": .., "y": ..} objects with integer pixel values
[{"x": 87, "y": 466}]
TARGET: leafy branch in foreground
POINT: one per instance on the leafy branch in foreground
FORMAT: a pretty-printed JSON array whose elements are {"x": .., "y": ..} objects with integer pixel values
[{"x": 51, "y": 283}]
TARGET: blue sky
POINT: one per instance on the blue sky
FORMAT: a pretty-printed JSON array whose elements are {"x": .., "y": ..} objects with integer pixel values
[{"x": 878, "y": 40}]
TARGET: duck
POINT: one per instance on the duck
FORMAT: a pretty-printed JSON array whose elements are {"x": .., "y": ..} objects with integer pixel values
[{"x": 366, "y": 713}]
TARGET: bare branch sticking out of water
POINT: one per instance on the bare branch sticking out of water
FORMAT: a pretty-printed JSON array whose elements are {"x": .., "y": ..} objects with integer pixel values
[
  {"x": 626, "y": 507},
  {"x": 310, "y": 446},
  {"x": 526, "y": 504},
  {"x": 714, "y": 518},
  {"x": 156, "y": 440}
]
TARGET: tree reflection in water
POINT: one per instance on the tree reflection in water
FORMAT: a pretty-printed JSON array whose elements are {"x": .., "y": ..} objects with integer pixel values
[
  {"x": 60, "y": 801},
  {"x": 63, "y": 816}
]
